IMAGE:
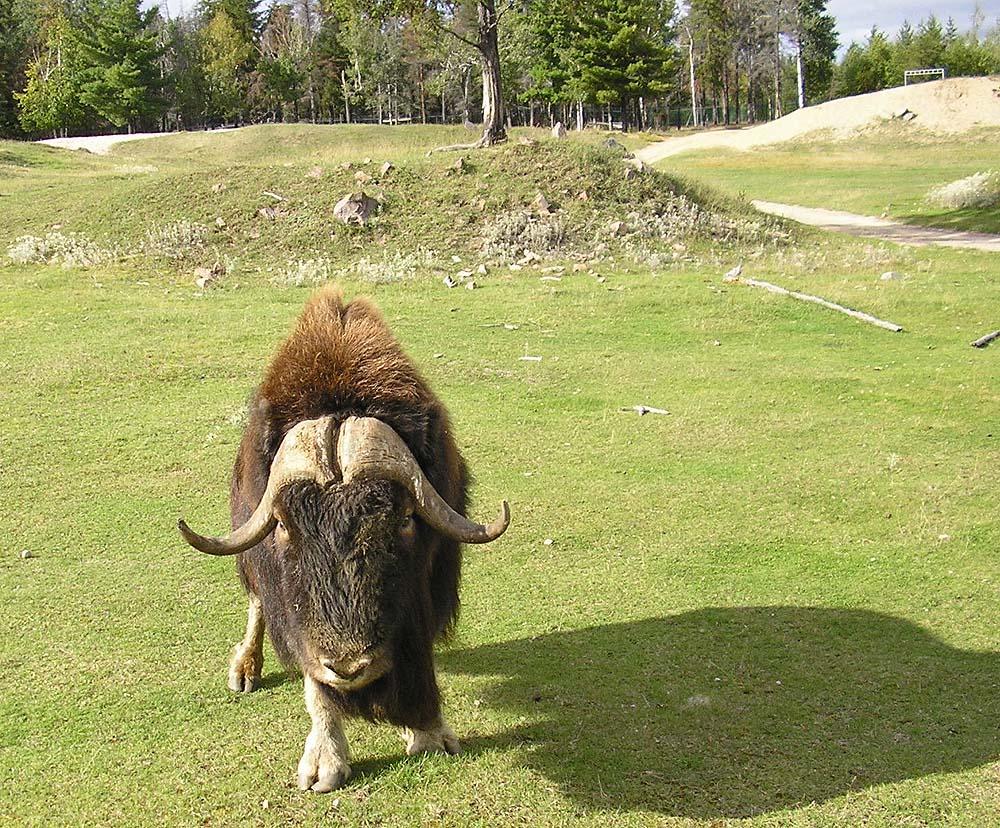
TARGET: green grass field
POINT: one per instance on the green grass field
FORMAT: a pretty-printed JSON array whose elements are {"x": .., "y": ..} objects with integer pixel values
[
  {"x": 777, "y": 605},
  {"x": 889, "y": 170}
]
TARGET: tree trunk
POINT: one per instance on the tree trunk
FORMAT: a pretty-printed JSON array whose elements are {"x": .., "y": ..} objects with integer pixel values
[
  {"x": 694, "y": 99},
  {"x": 494, "y": 131},
  {"x": 423, "y": 96},
  {"x": 801, "y": 76},
  {"x": 579, "y": 116}
]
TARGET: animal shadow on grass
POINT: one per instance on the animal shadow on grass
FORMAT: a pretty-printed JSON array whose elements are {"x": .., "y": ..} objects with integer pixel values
[{"x": 732, "y": 712}]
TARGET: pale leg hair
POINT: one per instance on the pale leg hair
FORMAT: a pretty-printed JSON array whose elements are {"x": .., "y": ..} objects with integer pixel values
[
  {"x": 326, "y": 760},
  {"x": 247, "y": 660}
]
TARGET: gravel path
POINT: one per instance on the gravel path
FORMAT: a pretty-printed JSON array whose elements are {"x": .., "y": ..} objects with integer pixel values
[{"x": 879, "y": 228}]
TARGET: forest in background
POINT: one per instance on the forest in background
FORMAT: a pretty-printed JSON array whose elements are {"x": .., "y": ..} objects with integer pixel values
[{"x": 84, "y": 66}]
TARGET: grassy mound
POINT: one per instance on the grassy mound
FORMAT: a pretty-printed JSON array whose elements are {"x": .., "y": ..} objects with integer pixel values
[{"x": 184, "y": 201}]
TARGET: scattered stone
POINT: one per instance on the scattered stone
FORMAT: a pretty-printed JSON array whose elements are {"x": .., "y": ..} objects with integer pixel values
[
  {"x": 732, "y": 274},
  {"x": 346, "y": 166},
  {"x": 355, "y": 208},
  {"x": 529, "y": 257},
  {"x": 463, "y": 275},
  {"x": 615, "y": 146},
  {"x": 362, "y": 177},
  {"x": 25, "y": 554},
  {"x": 515, "y": 267},
  {"x": 541, "y": 204},
  {"x": 601, "y": 280},
  {"x": 554, "y": 269},
  {"x": 550, "y": 278},
  {"x": 481, "y": 270},
  {"x": 206, "y": 276},
  {"x": 219, "y": 187},
  {"x": 471, "y": 284},
  {"x": 716, "y": 342},
  {"x": 203, "y": 277},
  {"x": 616, "y": 228},
  {"x": 270, "y": 213},
  {"x": 891, "y": 275},
  {"x": 583, "y": 195},
  {"x": 479, "y": 204},
  {"x": 630, "y": 173},
  {"x": 558, "y": 131},
  {"x": 580, "y": 267},
  {"x": 528, "y": 141},
  {"x": 527, "y": 358},
  {"x": 456, "y": 259},
  {"x": 315, "y": 172},
  {"x": 547, "y": 541},
  {"x": 367, "y": 161},
  {"x": 386, "y": 168},
  {"x": 449, "y": 282},
  {"x": 220, "y": 222},
  {"x": 460, "y": 166}
]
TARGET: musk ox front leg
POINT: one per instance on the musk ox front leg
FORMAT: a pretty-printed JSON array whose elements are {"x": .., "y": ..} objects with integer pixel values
[
  {"x": 326, "y": 760},
  {"x": 439, "y": 738},
  {"x": 247, "y": 660}
]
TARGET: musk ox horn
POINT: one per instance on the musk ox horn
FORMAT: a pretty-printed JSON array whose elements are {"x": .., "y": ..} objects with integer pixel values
[
  {"x": 304, "y": 454},
  {"x": 368, "y": 448}
]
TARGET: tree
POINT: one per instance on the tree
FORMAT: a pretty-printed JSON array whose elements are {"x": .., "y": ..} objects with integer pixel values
[
  {"x": 445, "y": 17},
  {"x": 814, "y": 34},
  {"x": 51, "y": 100},
  {"x": 18, "y": 25},
  {"x": 122, "y": 79},
  {"x": 225, "y": 54},
  {"x": 620, "y": 52}
]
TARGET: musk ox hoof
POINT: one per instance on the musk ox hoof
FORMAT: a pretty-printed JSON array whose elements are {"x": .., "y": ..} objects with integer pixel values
[
  {"x": 244, "y": 669},
  {"x": 440, "y": 739},
  {"x": 322, "y": 769}
]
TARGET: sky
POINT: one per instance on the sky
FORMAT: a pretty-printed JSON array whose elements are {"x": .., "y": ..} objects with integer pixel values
[{"x": 855, "y": 18}]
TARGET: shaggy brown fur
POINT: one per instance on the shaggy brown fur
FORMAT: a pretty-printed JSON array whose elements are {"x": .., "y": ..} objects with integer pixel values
[{"x": 342, "y": 360}]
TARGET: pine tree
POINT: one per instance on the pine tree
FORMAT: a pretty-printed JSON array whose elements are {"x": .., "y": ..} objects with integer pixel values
[
  {"x": 118, "y": 44},
  {"x": 17, "y": 29},
  {"x": 620, "y": 51}
]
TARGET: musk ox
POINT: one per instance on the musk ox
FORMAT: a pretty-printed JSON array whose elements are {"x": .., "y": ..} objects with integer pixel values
[{"x": 348, "y": 504}]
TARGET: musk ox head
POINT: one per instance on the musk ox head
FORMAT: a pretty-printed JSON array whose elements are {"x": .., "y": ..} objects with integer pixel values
[{"x": 349, "y": 507}]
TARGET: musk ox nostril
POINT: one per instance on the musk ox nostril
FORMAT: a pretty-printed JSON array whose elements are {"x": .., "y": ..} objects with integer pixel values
[{"x": 349, "y": 668}]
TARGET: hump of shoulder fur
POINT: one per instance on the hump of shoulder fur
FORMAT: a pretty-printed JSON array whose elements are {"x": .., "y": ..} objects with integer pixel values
[{"x": 340, "y": 356}]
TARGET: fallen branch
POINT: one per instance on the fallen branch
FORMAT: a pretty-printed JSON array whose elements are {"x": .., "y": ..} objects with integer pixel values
[
  {"x": 816, "y": 300},
  {"x": 983, "y": 341},
  {"x": 275, "y": 196},
  {"x": 645, "y": 409},
  {"x": 480, "y": 144}
]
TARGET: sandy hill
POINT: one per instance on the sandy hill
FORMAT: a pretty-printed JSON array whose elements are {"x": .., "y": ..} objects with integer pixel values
[{"x": 947, "y": 106}]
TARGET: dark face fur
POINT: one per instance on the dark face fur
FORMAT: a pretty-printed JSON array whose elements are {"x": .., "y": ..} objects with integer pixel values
[{"x": 346, "y": 556}]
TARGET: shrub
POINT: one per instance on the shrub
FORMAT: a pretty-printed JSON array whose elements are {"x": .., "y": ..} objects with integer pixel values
[
  {"x": 71, "y": 250},
  {"x": 981, "y": 189}
]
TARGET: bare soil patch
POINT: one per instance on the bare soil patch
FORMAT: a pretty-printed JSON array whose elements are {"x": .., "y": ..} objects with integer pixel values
[{"x": 954, "y": 105}]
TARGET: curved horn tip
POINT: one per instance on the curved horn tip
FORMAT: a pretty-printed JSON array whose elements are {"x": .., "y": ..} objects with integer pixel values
[{"x": 499, "y": 526}]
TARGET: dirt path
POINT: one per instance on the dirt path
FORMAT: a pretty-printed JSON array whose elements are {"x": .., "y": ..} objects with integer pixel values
[
  {"x": 99, "y": 144},
  {"x": 879, "y": 228}
]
